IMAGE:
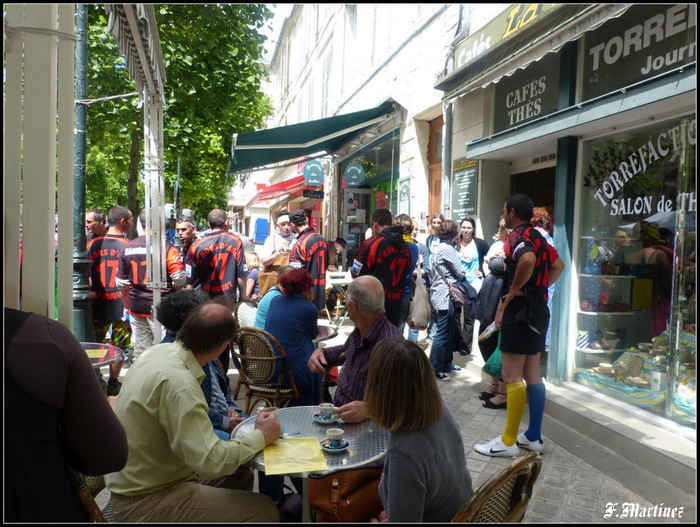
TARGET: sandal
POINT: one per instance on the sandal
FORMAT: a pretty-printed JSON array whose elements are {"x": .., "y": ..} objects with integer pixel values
[
  {"x": 485, "y": 396},
  {"x": 493, "y": 406}
]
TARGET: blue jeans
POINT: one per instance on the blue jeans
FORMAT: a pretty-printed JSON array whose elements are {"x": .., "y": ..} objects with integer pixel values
[{"x": 442, "y": 348}]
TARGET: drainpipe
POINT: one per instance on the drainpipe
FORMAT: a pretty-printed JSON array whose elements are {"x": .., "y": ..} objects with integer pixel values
[
  {"x": 447, "y": 162},
  {"x": 83, "y": 328}
]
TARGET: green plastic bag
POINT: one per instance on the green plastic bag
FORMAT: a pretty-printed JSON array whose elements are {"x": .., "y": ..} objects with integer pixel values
[{"x": 493, "y": 365}]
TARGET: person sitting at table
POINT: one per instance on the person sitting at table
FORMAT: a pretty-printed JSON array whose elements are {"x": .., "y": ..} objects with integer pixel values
[
  {"x": 264, "y": 304},
  {"x": 56, "y": 415},
  {"x": 425, "y": 476},
  {"x": 364, "y": 301},
  {"x": 178, "y": 469},
  {"x": 293, "y": 320}
]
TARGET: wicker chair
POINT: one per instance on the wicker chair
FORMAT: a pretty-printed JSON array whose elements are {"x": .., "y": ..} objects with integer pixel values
[
  {"x": 88, "y": 488},
  {"x": 503, "y": 498},
  {"x": 244, "y": 312},
  {"x": 325, "y": 380},
  {"x": 258, "y": 362}
]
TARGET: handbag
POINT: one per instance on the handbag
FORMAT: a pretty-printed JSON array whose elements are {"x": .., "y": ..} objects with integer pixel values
[
  {"x": 267, "y": 278},
  {"x": 350, "y": 496},
  {"x": 461, "y": 293},
  {"x": 419, "y": 309},
  {"x": 494, "y": 364}
]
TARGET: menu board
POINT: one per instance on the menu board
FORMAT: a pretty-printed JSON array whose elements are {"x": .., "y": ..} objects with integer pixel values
[{"x": 464, "y": 180}]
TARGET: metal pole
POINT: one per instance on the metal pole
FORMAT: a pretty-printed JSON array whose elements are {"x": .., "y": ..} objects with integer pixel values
[{"x": 83, "y": 328}]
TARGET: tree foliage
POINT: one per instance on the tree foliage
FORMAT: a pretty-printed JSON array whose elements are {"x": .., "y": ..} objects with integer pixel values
[{"x": 211, "y": 54}]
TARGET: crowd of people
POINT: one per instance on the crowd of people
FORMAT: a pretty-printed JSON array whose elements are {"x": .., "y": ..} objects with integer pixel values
[{"x": 175, "y": 411}]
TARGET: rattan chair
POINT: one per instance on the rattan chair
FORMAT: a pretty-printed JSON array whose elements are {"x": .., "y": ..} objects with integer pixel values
[
  {"x": 325, "y": 380},
  {"x": 88, "y": 488},
  {"x": 503, "y": 498},
  {"x": 244, "y": 312},
  {"x": 258, "y": 364}
]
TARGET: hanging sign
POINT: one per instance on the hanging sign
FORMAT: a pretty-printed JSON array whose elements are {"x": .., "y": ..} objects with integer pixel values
[
  {"x": 315, "y": 194},
  {"x": 313, "y": 173},
  {"x": 464, "y": 179},
  {"x": 354, "y": 174}
]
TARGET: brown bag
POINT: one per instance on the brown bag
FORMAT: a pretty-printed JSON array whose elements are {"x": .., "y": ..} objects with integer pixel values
[
  {"x": 350, "y": 496},
  {"x": 267, "y": 278}
]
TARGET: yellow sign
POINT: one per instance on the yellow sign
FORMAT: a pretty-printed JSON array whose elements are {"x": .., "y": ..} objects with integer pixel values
[{"x": 294, "y": 455}]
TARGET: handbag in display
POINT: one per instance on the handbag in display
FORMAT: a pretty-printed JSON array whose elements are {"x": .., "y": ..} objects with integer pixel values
[
  {"x": 419, "y": 310},
  {"x": 350, "y": 496}
]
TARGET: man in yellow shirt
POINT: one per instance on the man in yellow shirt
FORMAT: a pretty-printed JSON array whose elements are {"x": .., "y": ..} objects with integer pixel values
[{"x": 178, "y": 470}]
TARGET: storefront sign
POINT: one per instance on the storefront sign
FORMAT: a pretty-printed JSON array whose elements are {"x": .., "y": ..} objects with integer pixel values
[
  {"x": 354, "y": 174},
  {"x": 504, "y": 26},
  {"x": 644, "y": 42},
  {"x": 609, "y": 181},
  {"x": 527, "y": 94},
  {"x": 315, "y": 194},
  {"x": 313, "y": 173},
  {"x": 464, "y": 179}
]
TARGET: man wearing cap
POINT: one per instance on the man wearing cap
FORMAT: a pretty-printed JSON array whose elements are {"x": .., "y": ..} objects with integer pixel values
[
  {"x": 281, "y": 242},
  {"x": 310, "y": 252},
  {"x": 334, "y": 252}
]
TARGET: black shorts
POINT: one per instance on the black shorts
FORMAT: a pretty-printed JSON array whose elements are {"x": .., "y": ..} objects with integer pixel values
[{"x": 520, "y": 339}]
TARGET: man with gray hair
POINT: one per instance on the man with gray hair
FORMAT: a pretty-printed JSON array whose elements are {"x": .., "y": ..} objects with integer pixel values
[{"x": 364, "y": 301}]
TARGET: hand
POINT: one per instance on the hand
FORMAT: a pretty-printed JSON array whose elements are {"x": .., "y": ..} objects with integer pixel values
[
  {"x": 353, "y": 412},
  {"x": 269, "y": 425},
  {"x": 317, "y": 362},
  {"x": 382, "y": 518}
]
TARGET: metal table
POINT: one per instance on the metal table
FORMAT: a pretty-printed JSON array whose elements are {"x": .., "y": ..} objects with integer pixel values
[
  {"x": 367, "y": 443},
  {"x": 102, "y": 354},
  {"x": 325, "y": 333}
]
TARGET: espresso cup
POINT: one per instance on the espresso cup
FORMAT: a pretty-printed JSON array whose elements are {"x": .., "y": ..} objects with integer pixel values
[
  {"x": 335, "y": 437},
  {"x": 605, "y": 367},
  {"x": 268, "y": 410},
  {"x": 326, "y": 410}
]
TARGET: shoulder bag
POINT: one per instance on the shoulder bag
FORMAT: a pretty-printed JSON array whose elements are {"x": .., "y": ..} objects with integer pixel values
[
  {"x": 419, "y": 309},
  {"x": 461, "y": 293},
  {"x": 349, "y": 497}
]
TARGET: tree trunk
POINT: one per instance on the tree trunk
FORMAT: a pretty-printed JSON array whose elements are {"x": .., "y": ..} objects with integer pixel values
[{"x": 132, "y": 192}]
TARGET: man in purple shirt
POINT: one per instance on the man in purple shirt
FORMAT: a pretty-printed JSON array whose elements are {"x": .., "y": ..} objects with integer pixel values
[{"x": 364, "y": 301}]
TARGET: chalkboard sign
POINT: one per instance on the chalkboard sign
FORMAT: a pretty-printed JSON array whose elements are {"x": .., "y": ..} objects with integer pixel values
[{"x": 464, "y": 179}]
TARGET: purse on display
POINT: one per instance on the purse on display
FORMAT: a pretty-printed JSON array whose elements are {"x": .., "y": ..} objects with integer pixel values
[{"x": 419, "y": 310}]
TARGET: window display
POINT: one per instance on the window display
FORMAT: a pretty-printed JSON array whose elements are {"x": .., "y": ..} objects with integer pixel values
[{"x": 635, "y": 338}]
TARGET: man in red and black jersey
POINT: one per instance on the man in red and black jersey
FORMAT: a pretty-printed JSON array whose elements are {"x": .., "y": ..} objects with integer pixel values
[
  {"x": 107, "y": 307},
  {"x": 216, "y": 263},
  {"x": 132, "y": 280},
  {"x": 310, "y": 252},
  {"x": 386, "y": 256}
]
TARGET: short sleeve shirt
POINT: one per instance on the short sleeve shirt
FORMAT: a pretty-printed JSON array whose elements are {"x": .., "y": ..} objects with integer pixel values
[
  {"x": 215, "y": 263},
  {"x": 104, "y": 253}
]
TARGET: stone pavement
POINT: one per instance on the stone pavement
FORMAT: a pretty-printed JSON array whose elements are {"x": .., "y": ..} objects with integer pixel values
[{"x": 581, "y": 481}]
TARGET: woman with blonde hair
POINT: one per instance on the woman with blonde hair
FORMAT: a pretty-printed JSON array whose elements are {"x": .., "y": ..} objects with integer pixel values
[
  {"x": 425, "y": 475},
  {"x": 252, "y": 286}
]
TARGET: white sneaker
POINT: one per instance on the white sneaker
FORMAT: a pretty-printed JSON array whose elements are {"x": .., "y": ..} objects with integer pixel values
[
  {"x": 497, "y": 448},
  {"x": 532, "y": 446}
]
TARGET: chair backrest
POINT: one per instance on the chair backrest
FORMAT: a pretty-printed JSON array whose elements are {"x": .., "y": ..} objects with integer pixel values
[
  {"x": 325, "y": 390},
  {"x": 244, "y": 312},
  {"x": 505, "y": 496}
]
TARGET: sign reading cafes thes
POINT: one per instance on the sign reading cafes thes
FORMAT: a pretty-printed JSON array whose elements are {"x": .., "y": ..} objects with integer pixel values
[{"x": 644, "y": 42}]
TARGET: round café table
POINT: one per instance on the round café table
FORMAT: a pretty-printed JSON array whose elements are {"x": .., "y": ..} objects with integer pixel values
[
  {"x": 325, "y": 333},
  {"x": 102, "y": 354},
  {"x": 368, "y": 443}
]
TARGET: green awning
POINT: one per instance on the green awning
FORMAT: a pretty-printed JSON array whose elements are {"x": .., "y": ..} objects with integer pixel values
[{"x": 265, "y": 147}]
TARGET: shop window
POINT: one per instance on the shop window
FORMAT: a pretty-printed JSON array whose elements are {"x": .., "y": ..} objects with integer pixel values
[{"x": 635, "y": 268}]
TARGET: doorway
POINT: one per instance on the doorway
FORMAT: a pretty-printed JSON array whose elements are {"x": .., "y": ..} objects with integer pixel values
[{"x": 435, "y": 166}]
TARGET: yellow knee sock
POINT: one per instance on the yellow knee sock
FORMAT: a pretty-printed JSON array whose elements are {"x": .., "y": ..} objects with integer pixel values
[{"x": 517, "y": 399}]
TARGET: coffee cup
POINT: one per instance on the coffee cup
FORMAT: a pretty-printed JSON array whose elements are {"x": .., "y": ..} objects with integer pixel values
[
  {"x": 326, "y": 410},
  {"x": 605, "y": 367},
  {"x": 268, "y": 410},
  {"x": 335, "y": 437}
]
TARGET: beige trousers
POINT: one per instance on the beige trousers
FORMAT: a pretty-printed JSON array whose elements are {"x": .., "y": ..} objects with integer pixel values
[{"x": 226, "y": 499}]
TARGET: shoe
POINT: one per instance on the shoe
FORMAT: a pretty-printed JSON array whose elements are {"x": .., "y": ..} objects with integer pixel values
[
  {"x": 493, "y": 406},
  {"x": 113, "y": 387},
  {"x": 532, "y": 446},
  {"x": 441, "y": 377},
  {"x": 463, "y": 353},
  {"x": 496, "y": 448},
  {"x": 485, "y": 396},
  {"x": 453, "y": 367}
]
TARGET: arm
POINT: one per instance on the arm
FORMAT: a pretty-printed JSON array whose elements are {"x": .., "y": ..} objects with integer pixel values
[{"x": 555, "y": 271}]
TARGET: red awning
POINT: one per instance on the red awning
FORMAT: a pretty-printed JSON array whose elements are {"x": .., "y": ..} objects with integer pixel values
[{"x": 291, "y": 186}]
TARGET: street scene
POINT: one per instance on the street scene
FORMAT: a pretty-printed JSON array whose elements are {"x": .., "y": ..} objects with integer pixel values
[{"x": 431, "y": 262}]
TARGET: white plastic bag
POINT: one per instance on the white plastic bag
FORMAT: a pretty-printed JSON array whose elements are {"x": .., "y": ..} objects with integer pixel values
[{"x": 419, "y": 310}]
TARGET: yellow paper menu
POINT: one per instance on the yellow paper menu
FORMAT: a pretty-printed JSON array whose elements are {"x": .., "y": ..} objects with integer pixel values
[
  {"x": 97, "y": 353},
  {"x": 293, "y": 455}
]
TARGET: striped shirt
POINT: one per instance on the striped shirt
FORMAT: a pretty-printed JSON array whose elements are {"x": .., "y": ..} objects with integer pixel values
[
  {"x": 446, "y": 258},
  {"x": 351, "y": 384}
]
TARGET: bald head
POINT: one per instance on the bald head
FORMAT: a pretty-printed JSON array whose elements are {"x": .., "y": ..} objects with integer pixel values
[
  {"x": 207, "y": 328},
  {"x": 368, "y": 293}
]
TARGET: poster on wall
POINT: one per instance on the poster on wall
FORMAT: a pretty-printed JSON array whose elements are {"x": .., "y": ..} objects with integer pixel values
[
  {"x": 404, "y": 196},
  {"x": 464, "y": 180}
]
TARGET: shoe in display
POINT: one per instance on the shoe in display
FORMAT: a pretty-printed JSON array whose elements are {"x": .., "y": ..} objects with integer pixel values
[{"x": 496, "y": 448}]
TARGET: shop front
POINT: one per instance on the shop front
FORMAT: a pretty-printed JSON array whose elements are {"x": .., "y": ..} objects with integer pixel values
[{"x": 596, "y": 114}]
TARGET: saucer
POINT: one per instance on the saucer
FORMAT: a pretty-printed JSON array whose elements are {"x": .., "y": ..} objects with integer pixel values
[
  {"x": 325, "y": 445},
  {"x": 608, "y": 373},
  {"x": 638, "y": 381},
  {"x": 322, "y": 420}
]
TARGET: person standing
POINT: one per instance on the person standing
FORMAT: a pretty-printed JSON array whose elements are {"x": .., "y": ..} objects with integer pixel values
[
  {"x": 334, "y": 252},
  {"x": 178, "y": 470},
  {"x": 406, "y": 223},
  {"x": 132, "y": 280},
  {"x": 387, "y": 257},
  {"x": 186, "y": 230},
  {"x": 310, "y": 252},
  {"x": 431, "y": 243},
  {"x": 108, "y": 308},
  {"x": 216, "y": 263},
  {"x": 95, "y": 224},
  {"x": 279, "y": 244},
  {"x": 523, "y": 317}
]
